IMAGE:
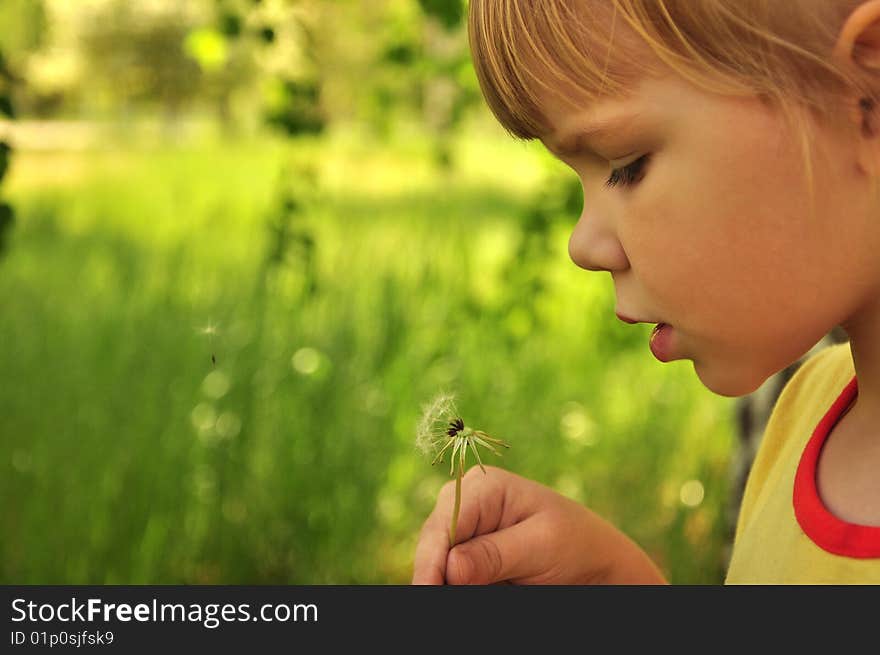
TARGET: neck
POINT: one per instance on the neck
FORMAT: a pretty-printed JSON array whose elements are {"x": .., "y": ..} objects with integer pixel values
[{"x": 863, "y": 331}]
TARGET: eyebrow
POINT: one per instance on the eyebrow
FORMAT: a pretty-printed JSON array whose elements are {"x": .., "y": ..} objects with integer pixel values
[{"x": 571, "y": 142}]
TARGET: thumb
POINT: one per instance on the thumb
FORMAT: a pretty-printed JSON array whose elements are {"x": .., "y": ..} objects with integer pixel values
[{"x": 487, "y": 559}]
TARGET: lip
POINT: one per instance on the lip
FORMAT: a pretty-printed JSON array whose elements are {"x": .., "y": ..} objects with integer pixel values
[
  {"x": 632, "y": 321},
  {"x": 662, "y": 342},
  {"x": 626, "y": 319}
]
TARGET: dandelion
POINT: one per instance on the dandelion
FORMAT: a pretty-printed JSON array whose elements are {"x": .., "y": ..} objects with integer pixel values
[{"x": 442, "y": 431}]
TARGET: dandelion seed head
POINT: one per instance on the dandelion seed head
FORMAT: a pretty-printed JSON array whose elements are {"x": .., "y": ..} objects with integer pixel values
[{"x": 431, "y": 432}]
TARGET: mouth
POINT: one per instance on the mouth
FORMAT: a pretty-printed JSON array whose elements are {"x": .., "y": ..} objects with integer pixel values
[{"x": 662, "y": 341}]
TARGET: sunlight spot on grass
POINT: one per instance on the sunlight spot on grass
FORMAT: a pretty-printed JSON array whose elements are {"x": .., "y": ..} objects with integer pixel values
[
  {"x": 697, "y": 527},
  {"x": 692, "y": 493},
  {"x": 204, "y": 483},
  {"x": 391, "y": 509},
  {"x": 443, "y": 371},
  {"x": 215, "y": 384},
  {"x": 375, "y": 401},
  {"x": 570, "y": 486},
  {"x": 577, "y": 426},
  {"x": 426, "y": 489},
  {"x": 306, "y": 361},
  {"x": 228, "y": 425},
  {"x": 203, "y": 416}
]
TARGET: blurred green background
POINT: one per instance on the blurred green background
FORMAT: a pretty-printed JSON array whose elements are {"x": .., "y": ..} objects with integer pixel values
[{"x": 251, "y": 240}]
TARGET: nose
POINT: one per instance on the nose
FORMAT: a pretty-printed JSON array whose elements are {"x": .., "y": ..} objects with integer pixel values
[{"x": 594, "y": 244}]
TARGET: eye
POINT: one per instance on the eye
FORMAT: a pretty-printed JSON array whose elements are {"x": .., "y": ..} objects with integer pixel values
[{"x": 630, "y": 174}]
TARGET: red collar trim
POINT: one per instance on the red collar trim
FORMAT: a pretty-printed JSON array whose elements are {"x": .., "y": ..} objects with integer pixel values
[{"x": 820, "y": 525}]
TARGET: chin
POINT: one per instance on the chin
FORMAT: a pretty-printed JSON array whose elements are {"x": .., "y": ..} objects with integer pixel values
[{"x": 732, "y": 383}]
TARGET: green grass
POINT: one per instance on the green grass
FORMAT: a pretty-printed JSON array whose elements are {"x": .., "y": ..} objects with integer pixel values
[{"x": 129, "y": 457}]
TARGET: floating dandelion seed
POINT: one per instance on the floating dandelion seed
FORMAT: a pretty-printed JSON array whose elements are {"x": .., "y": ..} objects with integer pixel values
[
  {"x": 441, "y": 430},
  {"x": 209, "y": 331}
]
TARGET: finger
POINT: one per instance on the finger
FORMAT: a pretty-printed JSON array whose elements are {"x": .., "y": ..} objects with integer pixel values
[
  {"x": 430, "y": 558},
  {"x": 482, "y": 510},
  {"x": 509, "y": 554},
  {"x": 482, "y": 504}
]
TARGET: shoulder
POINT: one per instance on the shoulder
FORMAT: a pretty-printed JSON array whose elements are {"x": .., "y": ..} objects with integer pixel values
[
  {"x": 822, "y": 374},
  {"x": 819, "y": 379},
  {"x": 767, "y": 529}
]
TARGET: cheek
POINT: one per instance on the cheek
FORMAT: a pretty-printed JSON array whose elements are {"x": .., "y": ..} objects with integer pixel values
[{"x": 708, "y": 236}]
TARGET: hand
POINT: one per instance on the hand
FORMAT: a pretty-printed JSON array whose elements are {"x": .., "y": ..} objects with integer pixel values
[{"x": 511, "y": 529}]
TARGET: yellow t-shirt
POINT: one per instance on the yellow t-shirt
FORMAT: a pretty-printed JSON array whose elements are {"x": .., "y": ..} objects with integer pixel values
[{"x": 785, "y": 534}]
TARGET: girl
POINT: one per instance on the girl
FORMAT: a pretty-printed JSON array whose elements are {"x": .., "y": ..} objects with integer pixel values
[{"x": 729, "y": 155}]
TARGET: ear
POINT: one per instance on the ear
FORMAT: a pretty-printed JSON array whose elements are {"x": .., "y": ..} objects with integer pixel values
[
  {"x": 858, "y": 49},
  {"x": 858, "y": 44}
]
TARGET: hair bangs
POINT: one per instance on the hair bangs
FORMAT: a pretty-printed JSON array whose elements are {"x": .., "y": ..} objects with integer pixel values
[{"x": 523, "y": 51}]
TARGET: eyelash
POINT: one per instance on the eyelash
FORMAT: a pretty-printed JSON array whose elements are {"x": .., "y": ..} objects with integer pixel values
[{"x": 630, "y": 174}]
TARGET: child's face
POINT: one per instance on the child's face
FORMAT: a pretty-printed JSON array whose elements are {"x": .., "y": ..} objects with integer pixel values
[{"x": 714, "y": 237}]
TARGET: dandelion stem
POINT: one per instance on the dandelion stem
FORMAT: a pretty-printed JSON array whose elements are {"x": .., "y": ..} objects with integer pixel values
[{"x": 455, "y": 508}]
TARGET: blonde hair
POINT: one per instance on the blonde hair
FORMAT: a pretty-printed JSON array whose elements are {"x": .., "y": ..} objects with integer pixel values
[{"x": 780, "y": 51}]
